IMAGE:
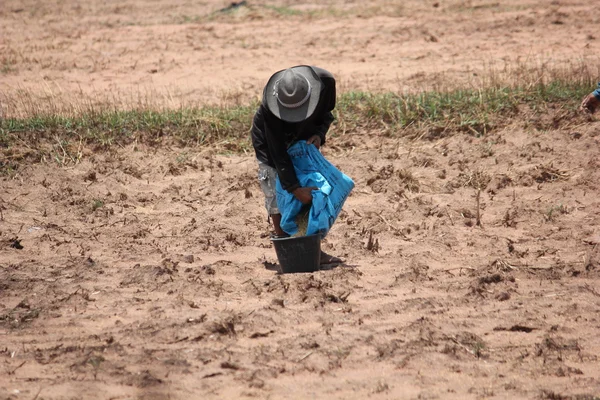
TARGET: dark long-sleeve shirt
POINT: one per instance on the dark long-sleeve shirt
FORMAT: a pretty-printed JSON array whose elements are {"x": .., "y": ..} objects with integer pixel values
[
  {"x": 597, "y": 92},
  {"x": 271, "y": 137}
]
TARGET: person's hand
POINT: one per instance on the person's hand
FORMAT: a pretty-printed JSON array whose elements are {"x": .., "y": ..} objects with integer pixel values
[
  {"x": 304, "y": 194},
  {"x": 590, "y": 103},
  {"x": 316, "y": 140}
]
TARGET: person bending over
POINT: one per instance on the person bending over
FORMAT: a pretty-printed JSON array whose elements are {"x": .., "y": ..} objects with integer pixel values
[{"x": 296, "y": 105}]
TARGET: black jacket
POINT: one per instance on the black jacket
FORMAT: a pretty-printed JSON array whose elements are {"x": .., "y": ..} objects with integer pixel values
[{"x": 271, "y": 137}]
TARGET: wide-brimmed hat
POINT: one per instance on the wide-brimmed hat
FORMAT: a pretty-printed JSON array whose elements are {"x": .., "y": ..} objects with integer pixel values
[{"x": 293, "y": 94}]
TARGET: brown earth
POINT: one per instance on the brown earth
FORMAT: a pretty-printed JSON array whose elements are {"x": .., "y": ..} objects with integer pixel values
[{"x": 472, "y": 263}]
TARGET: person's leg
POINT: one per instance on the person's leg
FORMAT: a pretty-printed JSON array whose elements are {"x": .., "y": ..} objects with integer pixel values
[
  {"x": 267, "y": 176},
  {"x": 328, "y": 259},
  {"x": 276, "y": 218}
]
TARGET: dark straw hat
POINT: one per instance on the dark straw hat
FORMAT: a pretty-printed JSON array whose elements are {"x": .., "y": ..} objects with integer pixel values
[{"x": 293, "y": 94}]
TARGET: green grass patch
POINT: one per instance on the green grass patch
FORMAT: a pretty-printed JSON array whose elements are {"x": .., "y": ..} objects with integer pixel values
[
  {"x": 190, "y": 126},
  {"x": 473, "y": 111},
  {"x": 284, "y": 10},
  {"x": 96, "y": 204}
]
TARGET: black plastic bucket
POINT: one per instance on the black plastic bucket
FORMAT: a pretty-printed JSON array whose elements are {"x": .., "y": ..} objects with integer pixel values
[{"x": 298, "y": 254}]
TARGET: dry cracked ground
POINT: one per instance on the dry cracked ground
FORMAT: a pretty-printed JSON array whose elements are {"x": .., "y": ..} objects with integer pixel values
[{"x": 139, "y": 272}]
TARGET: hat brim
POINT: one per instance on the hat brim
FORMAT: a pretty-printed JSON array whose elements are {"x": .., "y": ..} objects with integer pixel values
[{"x": 293, "y": 114}]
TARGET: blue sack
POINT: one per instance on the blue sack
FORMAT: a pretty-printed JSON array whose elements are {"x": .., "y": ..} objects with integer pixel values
[{"x": 312, "y": 169}]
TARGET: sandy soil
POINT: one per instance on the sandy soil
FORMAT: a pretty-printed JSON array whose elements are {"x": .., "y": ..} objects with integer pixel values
[
  {"x": 172, "y": 53},
  {"x": 147, "y": 273}
]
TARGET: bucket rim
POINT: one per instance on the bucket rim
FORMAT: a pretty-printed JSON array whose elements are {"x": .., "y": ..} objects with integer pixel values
[{"x": 279, "y": 239}]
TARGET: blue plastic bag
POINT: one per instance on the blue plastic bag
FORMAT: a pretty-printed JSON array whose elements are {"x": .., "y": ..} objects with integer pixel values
[{"x": 312, "y": 169}]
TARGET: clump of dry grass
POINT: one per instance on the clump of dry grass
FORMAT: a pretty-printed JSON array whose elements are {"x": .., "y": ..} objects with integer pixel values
[
  {"x": 477, "y": 179},
  {"x": 408, "y": 180},
  {"x": 548, "y": 173}
]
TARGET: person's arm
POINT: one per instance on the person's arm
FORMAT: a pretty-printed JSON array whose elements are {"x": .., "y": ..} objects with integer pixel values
[
  {"x": 283, "y": 162},
  {"x": 258, "y": 137},
  {"x": 325, "y": 119},
  {"x": 322, "y": 126},
  {"x": 278, "y": 152},
  {"x": 591, "y": 101}
]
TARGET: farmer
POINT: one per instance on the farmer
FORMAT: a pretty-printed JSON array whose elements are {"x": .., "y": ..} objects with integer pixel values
[
  {"x": 296, "y": 105},
  {"x": 591, "y": 101}
]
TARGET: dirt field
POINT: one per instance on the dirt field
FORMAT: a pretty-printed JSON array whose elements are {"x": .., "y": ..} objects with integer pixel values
[{"x": 472, "y": 263}]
